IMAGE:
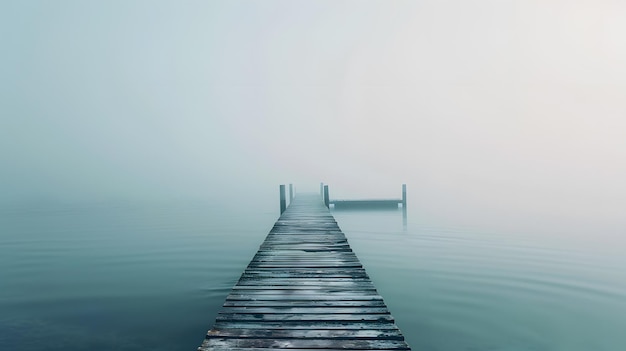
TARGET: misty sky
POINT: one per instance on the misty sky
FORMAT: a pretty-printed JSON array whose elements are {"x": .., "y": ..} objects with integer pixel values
[{"x": 481, "y": 104}]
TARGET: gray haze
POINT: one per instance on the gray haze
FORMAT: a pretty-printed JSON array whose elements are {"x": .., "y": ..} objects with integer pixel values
[{"x": 503, "y": 109}]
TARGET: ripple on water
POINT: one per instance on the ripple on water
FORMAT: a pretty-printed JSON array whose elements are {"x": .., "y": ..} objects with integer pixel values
[{"x": 456, "y": 289}]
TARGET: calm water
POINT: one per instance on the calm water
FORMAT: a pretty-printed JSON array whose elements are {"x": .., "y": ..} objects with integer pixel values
[{"x": 132, "y": 277}]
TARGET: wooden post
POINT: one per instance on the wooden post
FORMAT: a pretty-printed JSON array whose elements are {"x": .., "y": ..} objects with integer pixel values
[
  {"x": 326, "y": 199},
  {"x": 290, "y": 193},
  {"x": 283, "y": 201},
  {"x": 403, "y": 195}
]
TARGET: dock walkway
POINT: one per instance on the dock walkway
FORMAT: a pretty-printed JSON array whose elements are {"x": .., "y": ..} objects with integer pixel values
[{"x": 304, "y": 290}]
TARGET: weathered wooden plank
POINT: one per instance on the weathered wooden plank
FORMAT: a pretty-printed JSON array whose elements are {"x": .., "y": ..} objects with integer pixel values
[
  {"x": 312, "y": 233},
  {"x": 301, "y": 297},
  {"x": 300, "y": 244},
  {"x": 330, "y": 292},
  {"x": 302, "y": 239},
  {"x": 304, "y": 265},
  {"x": 304, "y": 255},
  {"x": 306, "y": 270},
  {"x": 257, "y": 317},
  {"x": 300, "y": 325},
  {"x": 306, "y": 259},
  {"x": 355, "y": 344},
  {"x": 302, "y": 281},
  {"x": 307, "y": 310},
  {"x": 305, "y": 285},
  {"x": 315, "y": 255},
  {"x": 303, "y": 291},
  {"x": 293, "y": 249},
  {"x": 310, "y": 303},
  {"x": 306, "y": 282},
  {"x": 304, "y": 273},
  {"x": 338, "y": 334},
  {"x": 303, "y": 276}
]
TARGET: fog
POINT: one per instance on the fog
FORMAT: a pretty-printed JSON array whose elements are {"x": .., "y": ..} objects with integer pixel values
[{"x": 502, "y": 109}]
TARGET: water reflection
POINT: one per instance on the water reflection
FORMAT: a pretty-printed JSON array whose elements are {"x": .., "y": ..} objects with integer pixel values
[{"x": 372, "y": 209}]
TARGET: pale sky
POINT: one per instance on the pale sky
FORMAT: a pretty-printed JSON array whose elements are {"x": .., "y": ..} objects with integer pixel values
[{"x": 481, "y": 104}]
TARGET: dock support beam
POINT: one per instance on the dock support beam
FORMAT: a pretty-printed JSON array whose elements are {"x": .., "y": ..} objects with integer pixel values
[
  {"x": 403, "y": 195},
  {"x": 283, "y": 200},
  {"x": 290, "y": 193},
  {"x": 326, "y": 199}
]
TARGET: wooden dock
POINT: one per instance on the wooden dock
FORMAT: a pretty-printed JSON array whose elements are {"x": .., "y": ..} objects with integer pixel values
[
  {"x": 366, "y": 203},
  {"x": 304, "y": 290},
  {"x": 363, "y": 203}
]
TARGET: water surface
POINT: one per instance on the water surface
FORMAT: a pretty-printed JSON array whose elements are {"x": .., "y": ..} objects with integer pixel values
[
  {"x": 132, "y": 277},
  {"x": 462, "y": 288},
  {"x": 124, "y": 277}
]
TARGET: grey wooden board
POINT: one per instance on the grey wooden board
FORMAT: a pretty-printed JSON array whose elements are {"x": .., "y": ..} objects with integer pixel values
[
  {"x": 307, "y": 310},
  {"x": 305, "y": 264},
  {"x": 311, "y": 273},
  {"x": 302, "y": 317},
  {"x": 302, "y": 255},
  {"x": 313, "y": 303},
  {"x": 307, "y": 326},
  {"x": 323, "y": 259},
  {"x": 302, "y": 273},
  {"x": 305, "y": 289},
  {"x": 393, "y": 334},
  {"x": 282, "y": 296},
  {"x": 302, "y": 277},
  {"x": 269, "y": 281},
  {"x": 355, "y": 343},
  {"x": 256, "y": 285}
]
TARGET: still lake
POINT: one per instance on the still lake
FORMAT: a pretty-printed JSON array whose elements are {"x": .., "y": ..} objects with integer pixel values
[{"x": 153, "y": 276}]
